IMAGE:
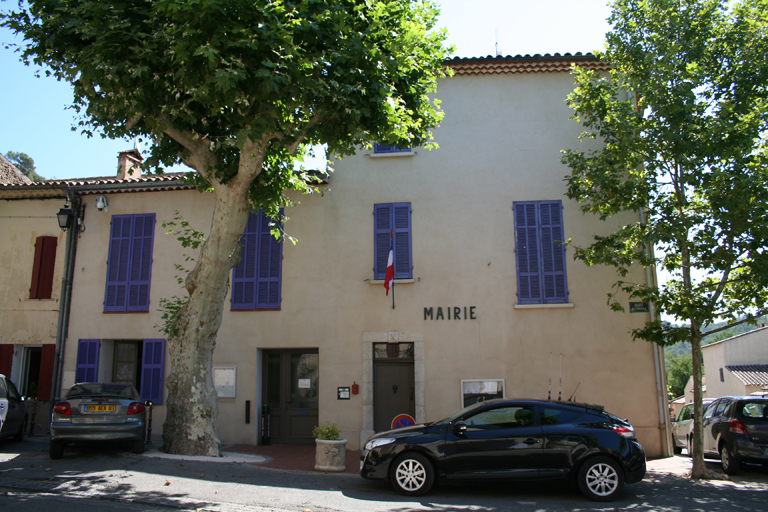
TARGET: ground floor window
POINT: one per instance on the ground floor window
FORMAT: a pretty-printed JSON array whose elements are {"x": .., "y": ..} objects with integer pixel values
[{"x": 139, "y": 363}]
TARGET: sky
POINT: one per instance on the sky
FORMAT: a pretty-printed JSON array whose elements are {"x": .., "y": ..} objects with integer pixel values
[{"x": 34, "y": 117}]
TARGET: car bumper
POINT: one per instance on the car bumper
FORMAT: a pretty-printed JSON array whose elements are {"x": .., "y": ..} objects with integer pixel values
[
  {"x": 374, "y": 464},
  {"x": 747, "y": 450},
  {"x": 634, "y": 467},
  {"x": 108, "y": 432}
]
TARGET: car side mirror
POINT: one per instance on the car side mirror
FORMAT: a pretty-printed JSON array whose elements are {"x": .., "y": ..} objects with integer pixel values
[
  {"x": 148, "y": 403},
  {"x": 459, "y": 428}
]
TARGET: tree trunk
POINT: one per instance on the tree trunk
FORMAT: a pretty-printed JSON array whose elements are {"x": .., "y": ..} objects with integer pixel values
[
  {"x": 699, "y": 469},
  {"x": 191, "y": 424}
]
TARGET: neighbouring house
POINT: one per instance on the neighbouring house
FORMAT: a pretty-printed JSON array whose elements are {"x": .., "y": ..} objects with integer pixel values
[
  {"x": 738, "y": 365},
  {"x": 487, "y": 299}
]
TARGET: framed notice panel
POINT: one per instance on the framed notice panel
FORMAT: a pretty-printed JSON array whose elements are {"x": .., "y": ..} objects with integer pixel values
[{"x": 224, "y": 380}]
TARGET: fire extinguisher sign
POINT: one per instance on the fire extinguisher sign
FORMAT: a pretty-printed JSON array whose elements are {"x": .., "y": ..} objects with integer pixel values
[{"x": 403, "y": 420}]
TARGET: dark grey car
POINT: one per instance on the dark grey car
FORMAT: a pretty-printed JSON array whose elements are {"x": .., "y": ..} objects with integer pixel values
[
  {"x": 13, "y": 414},
  {"x": 736, "y": 430},
  {"x": 92, "y": 411}
]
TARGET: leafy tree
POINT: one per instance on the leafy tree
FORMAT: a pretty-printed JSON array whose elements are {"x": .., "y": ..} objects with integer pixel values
[
  {"x": 679, "y": 370},
  {"x": 682, "y": 117},
  {"x": 25, "y": 164},
  {"x": 236, "y": 90}
]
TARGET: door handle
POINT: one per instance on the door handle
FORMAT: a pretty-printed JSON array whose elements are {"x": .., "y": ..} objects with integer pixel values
[
  {"x": 532, "y": 441},
  {"x": 394, "y": 388}
]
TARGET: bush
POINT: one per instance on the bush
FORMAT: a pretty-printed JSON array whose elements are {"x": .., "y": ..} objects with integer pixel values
[{"x": 328, "y": 431}]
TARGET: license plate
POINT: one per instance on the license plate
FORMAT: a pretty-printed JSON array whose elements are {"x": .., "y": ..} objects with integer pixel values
[{"x": 98, "y": 408}]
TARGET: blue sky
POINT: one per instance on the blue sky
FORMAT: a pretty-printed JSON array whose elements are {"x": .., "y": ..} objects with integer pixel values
[{"x": 36, "y": 121}]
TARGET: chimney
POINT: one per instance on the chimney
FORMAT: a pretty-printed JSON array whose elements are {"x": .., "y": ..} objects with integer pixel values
[{"x": 129, "y": 164}]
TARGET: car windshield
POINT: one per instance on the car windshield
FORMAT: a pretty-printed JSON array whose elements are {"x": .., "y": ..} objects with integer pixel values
[
  {"x": 459, "y": 414},
  {"x": 99, "y": 389}
]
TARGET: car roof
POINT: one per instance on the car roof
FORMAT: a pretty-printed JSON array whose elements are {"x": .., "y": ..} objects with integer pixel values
[{"x": 537, "y": 401}]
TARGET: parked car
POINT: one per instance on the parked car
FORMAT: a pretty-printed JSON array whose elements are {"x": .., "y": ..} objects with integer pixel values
[
  {"x": 506, "y": 439},
  {"x": 736, "y": 430},
  {"x": 13, "y": 414},
  {"x": 682, "y": 427},
  {"x": 94, "y": 411}
]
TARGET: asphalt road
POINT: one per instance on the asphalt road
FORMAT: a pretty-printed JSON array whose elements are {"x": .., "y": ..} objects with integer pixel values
[{"x": 107, "y": 479}]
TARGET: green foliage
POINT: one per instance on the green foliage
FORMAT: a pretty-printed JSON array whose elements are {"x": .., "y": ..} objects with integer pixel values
[
  {"x": 328, "y": 431},
  {"x": 25, "y": 164},
  {"x": 687, "y": 147},
  {"x": 679, "y": 370}
]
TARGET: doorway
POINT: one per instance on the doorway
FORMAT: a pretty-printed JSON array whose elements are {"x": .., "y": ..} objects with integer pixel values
[
  {"x": 394, "y": 388},
  {"x": 290, "y": 385}
]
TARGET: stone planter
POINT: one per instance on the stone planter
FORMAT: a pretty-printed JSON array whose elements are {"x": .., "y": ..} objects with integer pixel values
[{"x": 330, "y": 455}]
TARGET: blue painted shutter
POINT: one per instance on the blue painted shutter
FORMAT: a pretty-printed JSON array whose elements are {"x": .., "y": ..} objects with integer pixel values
[
  {"x": 152, "y": 360},
  {"x": 117, "y": 263},
  {"x": 87, "y": 369},
  {"x": 392, "y": 218},
  {"x": 141, "y": 262},
  {"x": 554, "y": 286},
  {"x": 386, "y": 148},
  {"x": 269, "y": 266},
  {"x": 382, "y": 226},
  {"x": 527, "y": 250},
  {"x": 257, "y": 279}
]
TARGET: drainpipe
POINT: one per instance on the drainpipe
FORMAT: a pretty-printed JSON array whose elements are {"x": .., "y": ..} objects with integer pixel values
[
  {"x": 66, "y": 294},
  {"x": 658, "y": 364}
]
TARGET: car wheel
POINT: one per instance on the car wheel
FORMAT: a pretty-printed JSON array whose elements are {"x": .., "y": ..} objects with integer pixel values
[
  {"x": 19, "y": 436},
  {"x": 601, "y": 479},
  {"x": 56, "y": 449},
  {"x": 412, "y": 474},
  {"x": 730, "y": 464},
  {"x": 138, "y": 446}
]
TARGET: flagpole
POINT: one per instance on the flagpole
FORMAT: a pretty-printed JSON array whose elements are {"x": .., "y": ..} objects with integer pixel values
[{"x": 393, "y": 294}]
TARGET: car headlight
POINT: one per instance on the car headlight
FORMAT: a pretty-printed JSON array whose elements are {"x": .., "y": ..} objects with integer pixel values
[{"x": 374, "y": 443}]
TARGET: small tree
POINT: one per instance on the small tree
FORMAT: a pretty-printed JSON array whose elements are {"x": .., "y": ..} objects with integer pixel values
[
  {"x": 679, "y": 371},
  {"x": 687, "y": 149},
  {"x": 236, "y": 90}
]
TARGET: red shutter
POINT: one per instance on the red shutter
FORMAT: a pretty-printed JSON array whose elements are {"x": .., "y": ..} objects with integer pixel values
[
  {"x": 46, "y": 372},
  {"x": 43, "y": 267},
  {"x": 6, "y": 358}
]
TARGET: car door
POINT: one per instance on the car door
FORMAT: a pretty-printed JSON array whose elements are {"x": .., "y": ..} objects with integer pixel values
[
  {"x": 11, "y": 408},
  {"x": 681, "y": 427},
  {"x": 498, "y": 442},
  {"x": 712, "y": 419}
]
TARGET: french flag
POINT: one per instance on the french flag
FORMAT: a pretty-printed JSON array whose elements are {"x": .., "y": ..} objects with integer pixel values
[{"x": 389, "y": 278}]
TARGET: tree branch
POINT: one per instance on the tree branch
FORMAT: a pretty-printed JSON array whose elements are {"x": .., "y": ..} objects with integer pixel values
[{"x": 201, "y": 158}]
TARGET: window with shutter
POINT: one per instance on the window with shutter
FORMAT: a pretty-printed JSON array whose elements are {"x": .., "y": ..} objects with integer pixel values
[
  {"x": 129, "y": 264},
  {"x": 392, "y": 220},
  {"x": 540, "y": 252},
  {"x": 43, "y": 267},
  {"x": 386, "y": 148},
  {"x": 46, "y": 372},
  {"x": 152, "y": 360},
  {"x": 256, "y": 280},
  {"x": 87, "y": 369},
  {"x": 6, "y": 359}
]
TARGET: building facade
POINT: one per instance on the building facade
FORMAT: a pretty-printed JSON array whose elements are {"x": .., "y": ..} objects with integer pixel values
[
  {"x": 487, "y": 299},
  {"x": 738, "y": 365}
]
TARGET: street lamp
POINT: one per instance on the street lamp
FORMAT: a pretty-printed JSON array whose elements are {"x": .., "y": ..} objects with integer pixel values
[{"x": 66, "y": 216}]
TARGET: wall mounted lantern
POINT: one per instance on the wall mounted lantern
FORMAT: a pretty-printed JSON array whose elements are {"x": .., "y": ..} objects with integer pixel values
[{"x": 66, "y": 217}]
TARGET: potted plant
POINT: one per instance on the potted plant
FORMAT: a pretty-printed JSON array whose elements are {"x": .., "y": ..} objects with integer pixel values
[{"x": 330, "y": 451}]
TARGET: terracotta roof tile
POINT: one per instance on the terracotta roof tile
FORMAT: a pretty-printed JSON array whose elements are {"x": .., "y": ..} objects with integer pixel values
[
  {"x": 547, "y": 63},
  {"x": 750, "y": 374}
]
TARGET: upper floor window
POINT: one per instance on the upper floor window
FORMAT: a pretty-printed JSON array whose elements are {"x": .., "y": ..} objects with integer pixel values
[
  {"x": 129, "y": 264},
  {"x": 540, "y": 250},
  {"x": 256, "y": 280},
  {"x": 392, "y": 223},
  {"x": 43, "y": 267},
  {"x": 386, "y": 148}
]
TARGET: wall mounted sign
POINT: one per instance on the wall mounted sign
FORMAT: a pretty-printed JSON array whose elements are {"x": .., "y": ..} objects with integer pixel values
[
  {"x": 305, "y": 383},
  {"x": 450, "y": 313},
  {"x": 342, "y": 393},
  {"x": 638, "y": 307}
]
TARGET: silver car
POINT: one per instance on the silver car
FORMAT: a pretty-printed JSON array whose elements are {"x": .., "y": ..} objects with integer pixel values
[
  {"x": 93, "y": 411},
  {"x": 682, "y": 427}
]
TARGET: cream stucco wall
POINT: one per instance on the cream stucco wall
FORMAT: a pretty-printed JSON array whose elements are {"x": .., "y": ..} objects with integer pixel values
[
  {"x": 500, "y": 142},
  {"x": 748, "y": 348},
  {"x": 25, "y": 321}
]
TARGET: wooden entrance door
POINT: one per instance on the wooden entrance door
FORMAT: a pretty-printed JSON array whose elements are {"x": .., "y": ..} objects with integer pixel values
[
  {"x": 290, "y": 388},
  {"x": 394, "y": 388}
]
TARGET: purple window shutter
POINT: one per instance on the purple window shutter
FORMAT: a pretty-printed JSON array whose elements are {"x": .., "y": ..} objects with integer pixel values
[
  {"x": 244, "y": 274},
  {"x": 382, "y": 227},
  {"x": 402, "y": 222},
  {"x": 152, "y": 368},
  {"x": 87, "y": 369},
  {"x": 386, "y": 148},
  {"x": 554, "y": 285},
  {"x": 140, "y": 272},
  {"x": 117, "y": 263},
  {"x": 527, "y": 250},
  {"x": 269, "y": 268}
]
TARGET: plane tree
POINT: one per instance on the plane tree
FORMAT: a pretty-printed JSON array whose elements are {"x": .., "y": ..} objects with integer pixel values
[
  {"x": 237, "y": 90},
  {"x": 681, "y": 122}
]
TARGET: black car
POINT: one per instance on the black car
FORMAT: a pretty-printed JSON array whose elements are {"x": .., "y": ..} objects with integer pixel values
[
  {"x": 13, "y": 413},
  {"x": 736, "y": 430},
  {"x": 508, "y": 439}
]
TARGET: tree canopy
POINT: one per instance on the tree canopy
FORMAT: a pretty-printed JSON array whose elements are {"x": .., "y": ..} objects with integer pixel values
[
  {"x": 682, "y": 118},
  {"x": 237, "y": 90},
  {"x": 25, "y": 164}
]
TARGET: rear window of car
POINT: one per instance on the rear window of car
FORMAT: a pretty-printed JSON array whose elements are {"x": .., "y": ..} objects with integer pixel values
[
  {"x": 117, "y": 390},
  {"x": 756, "y": 409},
  {"x": 552, "y": 416}
]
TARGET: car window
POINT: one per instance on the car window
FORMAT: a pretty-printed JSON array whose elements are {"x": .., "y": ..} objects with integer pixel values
[
  {"x": 754, "y": 410},
  {"x": 501, "y": 418},
  {"x": 685, "y": 414},
  {"x": 551, "y": 416},
  {"x": 710, "y": 410},
  {"x": 3, "y": 392},
  {"x": 12, "y": 393},
  {"x": 721, "y": 405}
]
